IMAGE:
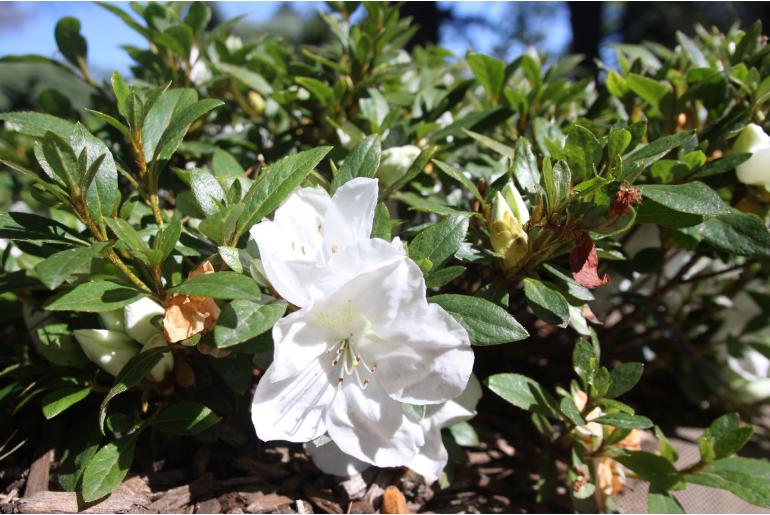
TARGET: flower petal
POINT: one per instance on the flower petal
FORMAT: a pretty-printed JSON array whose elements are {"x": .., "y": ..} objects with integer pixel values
[
  {"x": 370, "y": 426},
  {"x": 330, "y": 459},
  {"x": 432, "y": 457},
  {"x": 138, "y": 319},
  {"x": 292, "y": 409},
  {"x": 350, "y": 215},
  {"x": 458, "y": 409},
  {"x": 298, "y": 341},
  {"x": 425, "y": 358},
  {"x": 287, "y": 273}
]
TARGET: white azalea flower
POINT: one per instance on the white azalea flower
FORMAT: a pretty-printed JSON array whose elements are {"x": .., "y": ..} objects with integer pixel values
[
  {"x": 749, "y": 374},
  {"x": 113, "y": 347},
  {"x": 366, "y": 339},
  {"x": 432, "y": 457},
  {"x": 756, "y": 170}
]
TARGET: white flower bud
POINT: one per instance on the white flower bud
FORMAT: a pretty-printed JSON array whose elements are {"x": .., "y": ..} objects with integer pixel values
[
  {"x": 516, "y": 203},
  {"x": 111, "y": 350},
  {"x": 755, "y": 171},
  {"x": 395, "y": 162},
  {"x": 508, "y": 238},
  {"x": 139, "y": 316},
  {"x": 113, "y": 320},
  {"x": 166, "y": 363}
]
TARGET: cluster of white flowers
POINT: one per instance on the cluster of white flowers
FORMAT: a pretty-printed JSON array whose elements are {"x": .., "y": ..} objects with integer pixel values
[{"x": 364, "y": 344}]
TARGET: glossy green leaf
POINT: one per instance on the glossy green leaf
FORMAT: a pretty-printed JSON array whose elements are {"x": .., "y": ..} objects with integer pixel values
[
  {"x": 547, "y": 303},
  {"x": 524, "y": 393},
  {"x": 185, "y": 418},
  {"x": 242, "y": 320},
  {"x": 60, "y": 399},
  {"x": 440, "y": 241},
  {"x": 106, "y": 470},
  {"x": 362, "y": 161},
  {"x": 486, "y": 322},
  {"x": 95, "y": 296},
  {"x": 220, "y": 285}
]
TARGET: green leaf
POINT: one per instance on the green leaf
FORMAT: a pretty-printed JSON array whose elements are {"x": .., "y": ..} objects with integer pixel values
[
  {"x": 547, "y": 303},
  {"x": 159, "y": 116},
  {"x": 742, "y": 234},
  {"x": 464, "y": 434},
  {"x": 126, "y": 234},
  {"x": 725, "y": 164},
  {"x": 624, "y": 377},
  {"x": 225, "y": 165},
  {"x": 60, "y": 399},
  {"x": 652, "y": 91},
  {"x": 277, "y": 183},
  {"x": 414, "y": 170},
  {"x": 37, "y": 124},
  {"x": 724, "y": 437},
  {"x": 616, "y": 84},
  {"x": 198, "y": 16},
  {"x": 524, "y": 393},
  {"x": 443, "y": 276},
  {"x": 585, "y": 361},
  {"x": 692, "y": 198},
  {"x": 490, "y": 72},
  {"x": 179, "y": 125},
  {"x": 663, "y": 502},
  {"x": 207, "y": 191},
  {"x": 185, "y": 418},
  {"x": 220, "y": 285},
  {"x": 583, "y": 152},
  {"x": 322, "y": 91},
  {"x": 650, "y": 467},
  {"x": 121, "y": 90},
  {"x": 103, "y": 195},
  {"x": 242, "y": 320},
  {"x": 95, "y": 296},
  {"x": 71, "y": 43},
  {"x": 362, "y": 161},
  {"x": 524, "y": 166},
  {"x": 440, "y": 241},
  {"x": 618, "y": 142},
  {"x": 106, "y": 470},
  {"x": 382, "y": 227},
  {"x": 58, "y": 267},
  {"x": 570, "y": 410},
  {"x": 251, "y": 79},
  {"x": 492, "y": 144},
  {"x": 130, "y": 375},
  {"x": 556, "y": 180},
  {"x": 625, "y": 421},
  {"x": 460, "y": 177},
  {"x": 486, "y": 322},
  {"x": 694, "y": 54},
  {"x": 747, "y": 478},
  {"x": 167, "y": 238},
  {"x": 643, "y": 157}
]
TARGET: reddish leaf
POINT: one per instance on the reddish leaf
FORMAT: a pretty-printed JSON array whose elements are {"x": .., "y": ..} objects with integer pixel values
[{"x": 584, "y": 263}]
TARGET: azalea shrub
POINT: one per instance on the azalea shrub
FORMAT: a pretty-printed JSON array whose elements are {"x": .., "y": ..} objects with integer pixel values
[{"x": 351, "y": 245}]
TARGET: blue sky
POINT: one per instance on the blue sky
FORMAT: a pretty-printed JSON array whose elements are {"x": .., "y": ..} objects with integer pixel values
[{"x": 27, "y": 27}]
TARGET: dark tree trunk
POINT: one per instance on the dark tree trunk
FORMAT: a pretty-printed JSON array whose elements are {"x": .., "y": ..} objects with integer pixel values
[
  {"x": 428, "y": 18},
  {"x": 586, "y": 21}
]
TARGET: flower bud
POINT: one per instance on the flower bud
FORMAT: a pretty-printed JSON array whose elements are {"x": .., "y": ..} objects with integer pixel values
[
  {"x": 166, "y": 363},
  {"x": 755, "y": 171},
  {"x": 111, "y": 350},
  {"x": 396, "y": 161},
  {"x": 113, "y": 320},
  {"x": 256, "y": 102},
  {"x": 508, "y": 238},
  {"x": 139, "y": 318},
  {"x": 516, "y": 203}
]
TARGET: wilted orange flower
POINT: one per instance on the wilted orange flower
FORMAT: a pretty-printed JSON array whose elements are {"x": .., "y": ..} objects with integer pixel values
[{"x": 188, "y": 315}]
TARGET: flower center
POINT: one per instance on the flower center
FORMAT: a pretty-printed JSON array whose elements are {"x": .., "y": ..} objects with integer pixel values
[{"x": 350, "y": 362}]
